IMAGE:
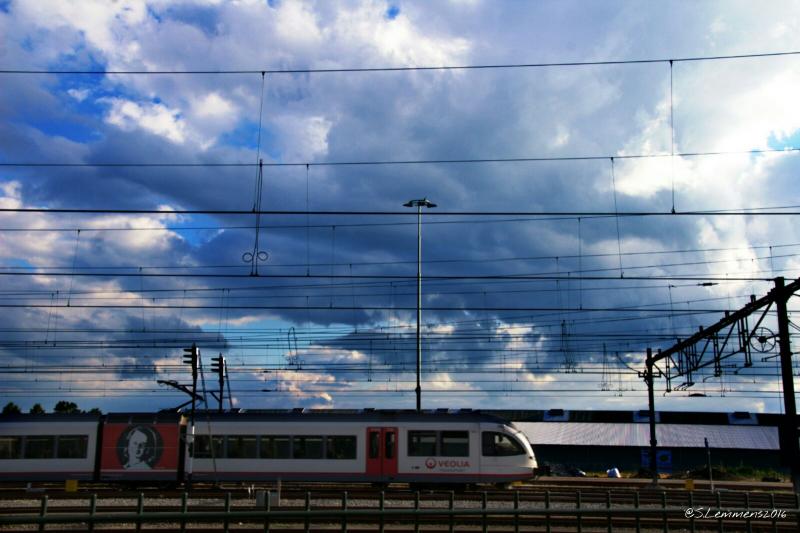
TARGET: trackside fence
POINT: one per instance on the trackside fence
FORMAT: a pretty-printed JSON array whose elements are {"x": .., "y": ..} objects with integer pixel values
[{"x": 448, "y": 515}]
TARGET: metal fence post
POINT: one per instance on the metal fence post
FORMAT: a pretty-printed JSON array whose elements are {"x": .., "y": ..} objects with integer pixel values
[
  {"x": 416, "y": 515},
  {"x": 451, "y": 504},
  {"x": 608, "y": 511},
  {"x": 747, "y": 506},
  {"x": 691, "y": 517},
  {"x": 636, "y": 505},
  {"x": 382, "y": 507},
  {"x": 516, "y": 513},
  {"x": 664, "y": 507},
  {"x": 307, "y": 522},
  {"x": 484, "y": 505},
  {"x": 547, "y": 508},
  {"x": 578, "y": 508},
  {"x": 797, "y": 508},
  {"x": 267, "y": 509},
  {"x": 92, "y": 510},
  {"x": 184, "y": 510},
  {"x": 344, "y": 509},
  {"x": 139, "y": 511},
  {"x": 226, "y": 524},
  {"x": 43, "y": 511},
  {"x": 772, "y": 506},
  {"x": 720, "y": 525}
]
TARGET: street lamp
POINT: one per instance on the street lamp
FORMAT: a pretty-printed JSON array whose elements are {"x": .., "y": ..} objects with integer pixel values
[{"x": 419, "y": 204}]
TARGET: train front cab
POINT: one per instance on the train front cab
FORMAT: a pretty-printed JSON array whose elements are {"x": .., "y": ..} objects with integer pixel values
[
  {"x": 448, "y": 452},
  {"x": 506, "y": 450}
]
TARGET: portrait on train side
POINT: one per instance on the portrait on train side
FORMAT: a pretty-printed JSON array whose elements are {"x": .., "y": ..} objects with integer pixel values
[{"x": 139, "y": 448}]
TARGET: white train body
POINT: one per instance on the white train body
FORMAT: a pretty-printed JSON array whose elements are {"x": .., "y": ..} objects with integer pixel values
[
  {"x": 64, "y": 449},
  {"x": 371, "y": 447},
  {"x": 364, "y": 446}
]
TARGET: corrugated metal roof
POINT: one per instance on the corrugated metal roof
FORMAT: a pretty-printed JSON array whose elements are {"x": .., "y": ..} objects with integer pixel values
[{"x": 668, "y": 435}]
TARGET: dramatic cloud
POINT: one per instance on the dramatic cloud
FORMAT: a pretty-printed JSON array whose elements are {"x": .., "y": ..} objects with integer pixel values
[{"x": 325, "y": 323}]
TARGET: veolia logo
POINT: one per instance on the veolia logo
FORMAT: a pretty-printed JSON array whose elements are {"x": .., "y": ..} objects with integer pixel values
[
  {"x": 454, "y": 463},
  {"x": 432, "y": 463}
]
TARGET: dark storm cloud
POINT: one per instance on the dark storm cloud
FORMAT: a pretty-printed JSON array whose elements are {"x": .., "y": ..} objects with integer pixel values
[{"x": 391, "y": 116}]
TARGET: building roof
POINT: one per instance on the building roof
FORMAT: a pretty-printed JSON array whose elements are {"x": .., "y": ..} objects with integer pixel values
[{"x": 668, "y": 435}]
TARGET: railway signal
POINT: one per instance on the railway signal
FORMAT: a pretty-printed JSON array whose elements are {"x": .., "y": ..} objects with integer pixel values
[
  {"x": 191, "y": 356},
  {"x": 218, "y": 367}
]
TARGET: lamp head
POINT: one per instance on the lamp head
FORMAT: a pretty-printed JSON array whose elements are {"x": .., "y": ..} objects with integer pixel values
[{"x": 423, "y": 202}]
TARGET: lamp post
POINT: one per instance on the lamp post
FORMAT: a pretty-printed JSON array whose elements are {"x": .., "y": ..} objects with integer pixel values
[{"x": 419, "y": 204}]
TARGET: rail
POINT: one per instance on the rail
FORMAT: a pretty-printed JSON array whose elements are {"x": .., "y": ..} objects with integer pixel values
[{"x": 487, "y": 515}]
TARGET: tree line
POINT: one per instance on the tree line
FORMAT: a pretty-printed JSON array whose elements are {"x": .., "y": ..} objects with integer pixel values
[{"x": 61, "y": 407}]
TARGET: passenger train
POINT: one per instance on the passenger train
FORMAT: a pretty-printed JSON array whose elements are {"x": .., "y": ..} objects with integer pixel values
[{"x": 373, "y": 446}]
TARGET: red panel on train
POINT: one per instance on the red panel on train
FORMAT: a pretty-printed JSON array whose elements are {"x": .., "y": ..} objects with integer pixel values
[{"x": 134, "y": 449}]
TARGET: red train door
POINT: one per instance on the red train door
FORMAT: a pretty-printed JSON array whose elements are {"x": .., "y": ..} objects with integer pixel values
[{"x": 382, "y": 452}]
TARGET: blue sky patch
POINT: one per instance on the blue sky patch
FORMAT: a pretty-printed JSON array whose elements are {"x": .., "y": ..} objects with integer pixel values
[
  {"x": 196, "y": 237},
  {"x": 15, "y": 262},
  {"x": 81, "y": 132},
  {"x": 245, "y": 135},
  {"x": 151, "y": 12},
  {"x": 792, "y": 141},
  {"x": 392, "y": 12},
  {"x": 80, "y": 58},
  {"x": 203, "y": 18}
]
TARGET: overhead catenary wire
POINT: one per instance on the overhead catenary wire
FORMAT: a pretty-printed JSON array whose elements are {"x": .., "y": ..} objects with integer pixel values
[
  {"x": 397, "y": 277},
  {"x": 487, "y": 66},
  {"x": 580, "y": 256},
  {"x": 751, "y": 211},
  {"x": 672, "y": 134},
  {"x": 479, "y": 160}
]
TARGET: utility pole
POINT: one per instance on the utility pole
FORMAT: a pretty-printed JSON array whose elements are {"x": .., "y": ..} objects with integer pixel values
[
  {"x": 218, "y": 367},
  {"x": 686, "y": 358},
  {"x": 651, "y": 404},
  {"x": 788, "y": 429},
  {"x": 191, "y": 356},
  {"x": 419, "y": 204},
  {"x": 708, "y": 463}
]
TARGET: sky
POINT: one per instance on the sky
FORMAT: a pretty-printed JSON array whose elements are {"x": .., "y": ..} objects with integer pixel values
[{"x": 130, "y": 139}]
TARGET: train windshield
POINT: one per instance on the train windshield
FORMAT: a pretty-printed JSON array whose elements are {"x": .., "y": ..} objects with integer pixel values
[{"x": 500, "y": 445}]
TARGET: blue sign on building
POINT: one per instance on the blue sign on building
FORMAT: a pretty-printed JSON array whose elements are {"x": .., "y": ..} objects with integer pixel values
[{"x": 663, "y": 460}]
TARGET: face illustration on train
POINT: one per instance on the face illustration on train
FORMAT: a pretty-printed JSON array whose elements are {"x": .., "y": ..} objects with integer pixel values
[{"x": 139, "y": 448}]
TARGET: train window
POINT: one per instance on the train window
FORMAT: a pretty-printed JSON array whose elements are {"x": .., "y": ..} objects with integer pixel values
[
  {"x": 390, "y": 445},
  {"x": 72, "y": 446},
  {"x": 307, "y": 447},
  {"x": 10, "y": 447},
  {"x": 242, "y": 447},
  {"x": 374, "y": 444},
  {"x": 40, "y": 447},
  {"x": 498, "y": 444},
  {"x": 340, "y": 447},
  {"x": 275, "y": 447},
  {"x": 421, "y": 443},
  {"x": 454, "y": 444},
  {"x": 202, "y": 447}
]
